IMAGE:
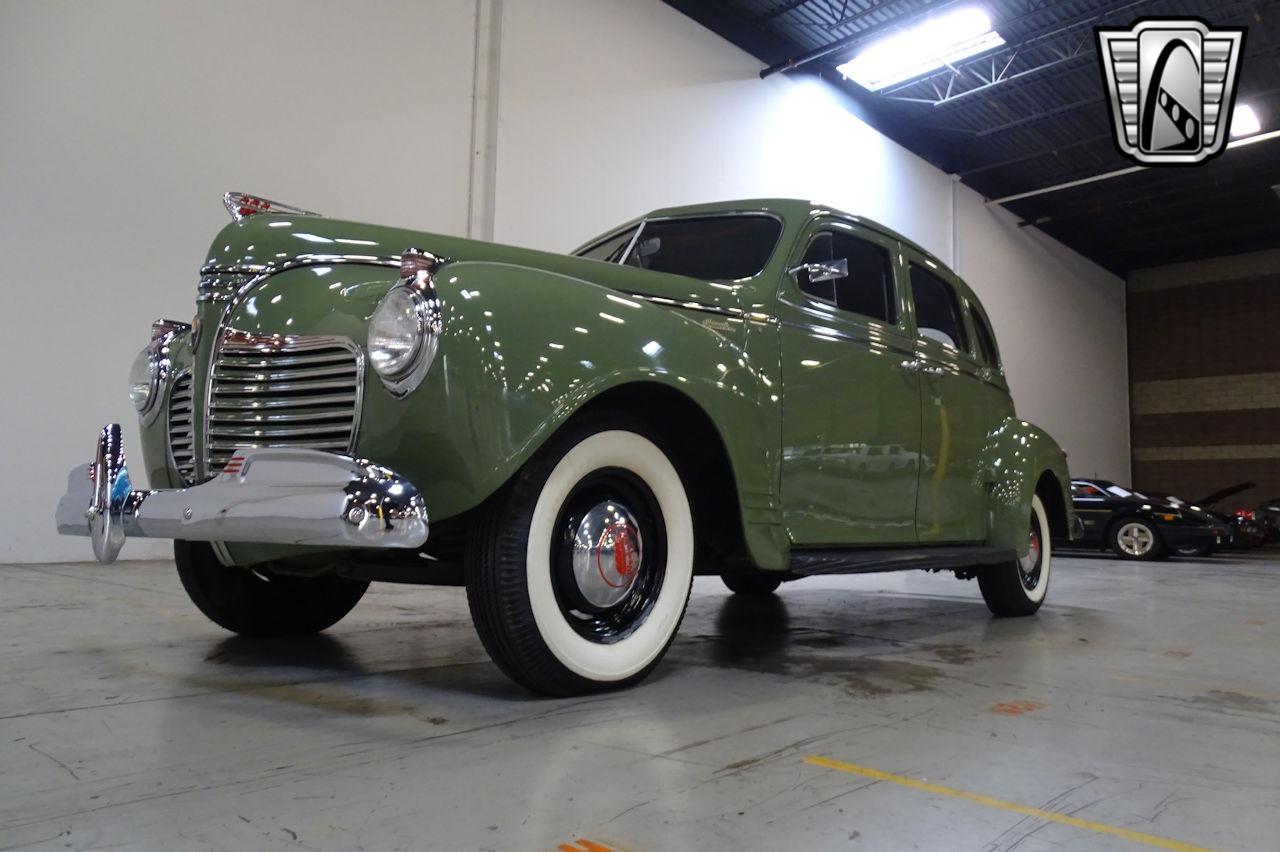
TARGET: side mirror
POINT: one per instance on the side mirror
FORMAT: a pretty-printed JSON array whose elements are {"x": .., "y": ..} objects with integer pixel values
[
  {"x": 647, "y": 247},
  {"x": 828, "y": 271}
]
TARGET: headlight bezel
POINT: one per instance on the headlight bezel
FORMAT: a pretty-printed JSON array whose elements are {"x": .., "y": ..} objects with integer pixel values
[
  {"x": 416, "y": 283},
  {"x": 144, "y": 381},
  {"x": 154, "y": 358}
]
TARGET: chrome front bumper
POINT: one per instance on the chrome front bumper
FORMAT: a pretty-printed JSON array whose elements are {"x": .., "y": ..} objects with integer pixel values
[{"x": 277, "y": 496}]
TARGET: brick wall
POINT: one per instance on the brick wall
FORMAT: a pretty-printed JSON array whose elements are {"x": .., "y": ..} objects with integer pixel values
[{"x": 1204, "y": 372}]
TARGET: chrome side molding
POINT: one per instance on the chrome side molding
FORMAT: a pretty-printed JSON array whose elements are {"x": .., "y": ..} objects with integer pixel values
[{"x": 270, "y": 495}]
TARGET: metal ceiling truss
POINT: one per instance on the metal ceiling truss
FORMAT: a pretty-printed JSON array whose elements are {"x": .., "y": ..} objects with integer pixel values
[{"x": 990, "y": 70}]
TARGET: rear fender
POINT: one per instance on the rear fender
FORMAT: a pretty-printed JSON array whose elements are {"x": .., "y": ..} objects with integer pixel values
[{"x": 1019, "y": 460}]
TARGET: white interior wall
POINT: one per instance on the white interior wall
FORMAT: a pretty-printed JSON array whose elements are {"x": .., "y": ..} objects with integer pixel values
[
  {"x": 124, "y": 121},
  {"x": 636, "y": 108}
]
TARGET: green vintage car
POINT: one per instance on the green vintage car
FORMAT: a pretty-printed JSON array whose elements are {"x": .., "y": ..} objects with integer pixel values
[{"x": 763, "y": 390}]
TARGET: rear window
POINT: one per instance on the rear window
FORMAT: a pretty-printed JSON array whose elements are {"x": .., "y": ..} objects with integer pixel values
[
  {"x": 715, "y": 248},
  {"x": 986, "y": 342},
  {"x": 937, "y": 309}
]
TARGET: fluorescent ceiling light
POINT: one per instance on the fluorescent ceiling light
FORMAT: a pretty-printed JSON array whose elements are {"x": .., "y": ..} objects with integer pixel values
[
  {"x": 1244, "y": 122},
  {"x": 925, "y": 47}
]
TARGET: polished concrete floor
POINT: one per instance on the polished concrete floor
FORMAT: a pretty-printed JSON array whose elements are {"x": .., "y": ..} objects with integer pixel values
[{"x": 1141, "y": 707}]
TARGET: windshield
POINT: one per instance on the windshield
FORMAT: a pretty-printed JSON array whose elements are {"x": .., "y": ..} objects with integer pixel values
[
  {"x": 1124, "y": 492},
  {"x": 714, "y": 248}
]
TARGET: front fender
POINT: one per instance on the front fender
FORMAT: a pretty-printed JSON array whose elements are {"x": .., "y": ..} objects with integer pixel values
[
  {"x": 523, "y": 349},
  {"x": 1016, "y": 458}
]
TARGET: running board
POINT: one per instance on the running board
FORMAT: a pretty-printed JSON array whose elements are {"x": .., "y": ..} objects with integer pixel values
[{"x": 809, "y": 563}]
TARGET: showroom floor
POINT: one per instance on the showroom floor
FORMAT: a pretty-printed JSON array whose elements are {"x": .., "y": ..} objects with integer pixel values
[{"x": 886, "y": 712}]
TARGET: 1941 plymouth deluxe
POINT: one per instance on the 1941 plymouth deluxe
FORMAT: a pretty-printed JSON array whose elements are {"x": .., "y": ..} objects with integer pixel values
[{"x": 763, "y": 390}]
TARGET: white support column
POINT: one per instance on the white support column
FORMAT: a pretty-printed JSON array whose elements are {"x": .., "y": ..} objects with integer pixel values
[{"x": 482, "y": 189}]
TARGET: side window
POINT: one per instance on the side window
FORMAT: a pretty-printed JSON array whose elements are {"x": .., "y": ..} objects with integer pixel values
[
  {"x": 986, "y": 343},
  {"x": 937, "y": 309},
  {"x": 867, "y": 289},
  {"x": 819, "y": 252},
  {"x": 611, "y": 249}
]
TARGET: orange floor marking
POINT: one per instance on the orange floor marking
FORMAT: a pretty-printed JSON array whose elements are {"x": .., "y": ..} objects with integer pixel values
[{"x": 1017, "y": 708}]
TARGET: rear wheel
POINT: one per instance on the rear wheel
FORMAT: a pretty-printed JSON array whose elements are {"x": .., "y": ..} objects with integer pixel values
[
  {"x": 751, "y": 583},
  {"x": 579, "y": 570},
  {"x": 1134, "y": 538},
  {"x": 1018, "y": 588},
  {"x": 260, "y": 603}
]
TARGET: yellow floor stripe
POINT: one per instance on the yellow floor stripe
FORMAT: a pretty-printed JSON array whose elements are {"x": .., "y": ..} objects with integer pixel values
[{"x": 1013, "y": 807}]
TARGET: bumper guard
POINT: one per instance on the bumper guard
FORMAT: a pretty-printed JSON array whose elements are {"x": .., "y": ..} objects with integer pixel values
[{"x": 279, "y": 496}]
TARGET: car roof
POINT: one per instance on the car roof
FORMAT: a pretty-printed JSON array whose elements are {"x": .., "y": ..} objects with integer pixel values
[{"x": 793, "y": 211}]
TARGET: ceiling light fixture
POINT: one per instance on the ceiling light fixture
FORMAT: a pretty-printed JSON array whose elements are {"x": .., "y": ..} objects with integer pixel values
[
  {"x": 927, "y": 46},
  {"x": 1244, "y": 122}
]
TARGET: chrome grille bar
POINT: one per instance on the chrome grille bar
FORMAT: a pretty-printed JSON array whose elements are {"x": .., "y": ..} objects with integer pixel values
[
  {"x": 181, "y": 436},
  {"x": 282, "y": 391}
]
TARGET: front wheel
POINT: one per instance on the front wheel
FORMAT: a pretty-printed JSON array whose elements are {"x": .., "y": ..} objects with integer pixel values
[
  {"x": 1018, "y": 588},
  {"x": 579, "y": 570},
  {"x": 1134, "y": 538},
  {"x": 259, "y": 603}
]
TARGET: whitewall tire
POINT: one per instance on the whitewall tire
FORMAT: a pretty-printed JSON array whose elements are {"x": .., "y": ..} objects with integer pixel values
[
  {"x": 579, "y": 571},
  {"x": 1019, "y": 587}
]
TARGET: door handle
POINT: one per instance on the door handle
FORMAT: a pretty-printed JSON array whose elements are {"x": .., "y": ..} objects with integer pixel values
[{"x": 915, "y": 365}]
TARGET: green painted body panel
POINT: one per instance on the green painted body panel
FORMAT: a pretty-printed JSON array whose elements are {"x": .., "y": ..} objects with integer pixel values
[
  {"x": 851, "y": 433},
  {"x": 825, "y": 453}
]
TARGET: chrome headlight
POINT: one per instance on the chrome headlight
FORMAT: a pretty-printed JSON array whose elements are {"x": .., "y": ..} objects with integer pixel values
[
  {"x": 404, "y": 331},
  {"x": 151, "y": 367},
  {"x": 144, "y": 379},
  {"x": 396, "y": 332}
]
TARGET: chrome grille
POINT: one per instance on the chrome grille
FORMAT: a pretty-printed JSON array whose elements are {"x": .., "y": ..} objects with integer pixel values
[
  {"x": 283, "y": 391},
  {"x": 181, "y": 436}
]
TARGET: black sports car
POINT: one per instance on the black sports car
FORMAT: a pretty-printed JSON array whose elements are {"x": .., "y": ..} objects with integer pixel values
[{"x": 1135, "y": 526}]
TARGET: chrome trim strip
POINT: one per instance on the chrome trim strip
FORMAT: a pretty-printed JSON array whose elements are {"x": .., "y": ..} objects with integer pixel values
[
  {"x": 209, "y": 290},
  {"x": 284, "y": 496},
  {"x": 704, "y": 307}
]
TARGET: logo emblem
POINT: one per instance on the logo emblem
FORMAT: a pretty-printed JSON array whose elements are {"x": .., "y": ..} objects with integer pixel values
[{"x": 1172, "y": 84}]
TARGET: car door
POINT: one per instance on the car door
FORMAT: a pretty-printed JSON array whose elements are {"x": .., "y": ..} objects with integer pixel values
[
  {"x": 1094, "y": 510},
  {"x": 956, "y": 412},
  {"x": 851, "y": 411}
]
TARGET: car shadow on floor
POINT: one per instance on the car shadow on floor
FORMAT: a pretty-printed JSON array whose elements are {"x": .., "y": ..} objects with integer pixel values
[{"x": 856, "y": 638}]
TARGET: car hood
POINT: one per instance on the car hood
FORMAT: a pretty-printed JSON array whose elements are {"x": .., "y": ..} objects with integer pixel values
[
  {"x": 263, "y": 242},
  {"x": 1210, "y": 499}
]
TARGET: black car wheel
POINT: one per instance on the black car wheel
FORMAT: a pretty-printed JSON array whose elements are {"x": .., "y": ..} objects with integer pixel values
[
  {"x": 260, "y": 603},
  {"x": 1135, "y": 538}
]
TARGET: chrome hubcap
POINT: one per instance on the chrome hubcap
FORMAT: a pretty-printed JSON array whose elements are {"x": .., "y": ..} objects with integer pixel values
[
  {"x": 1135, "y": 539},
  {"x": 1029, "y": 562},
  {"x": 607, "y": 554},
  {"x": 1029, "y": 565}
]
